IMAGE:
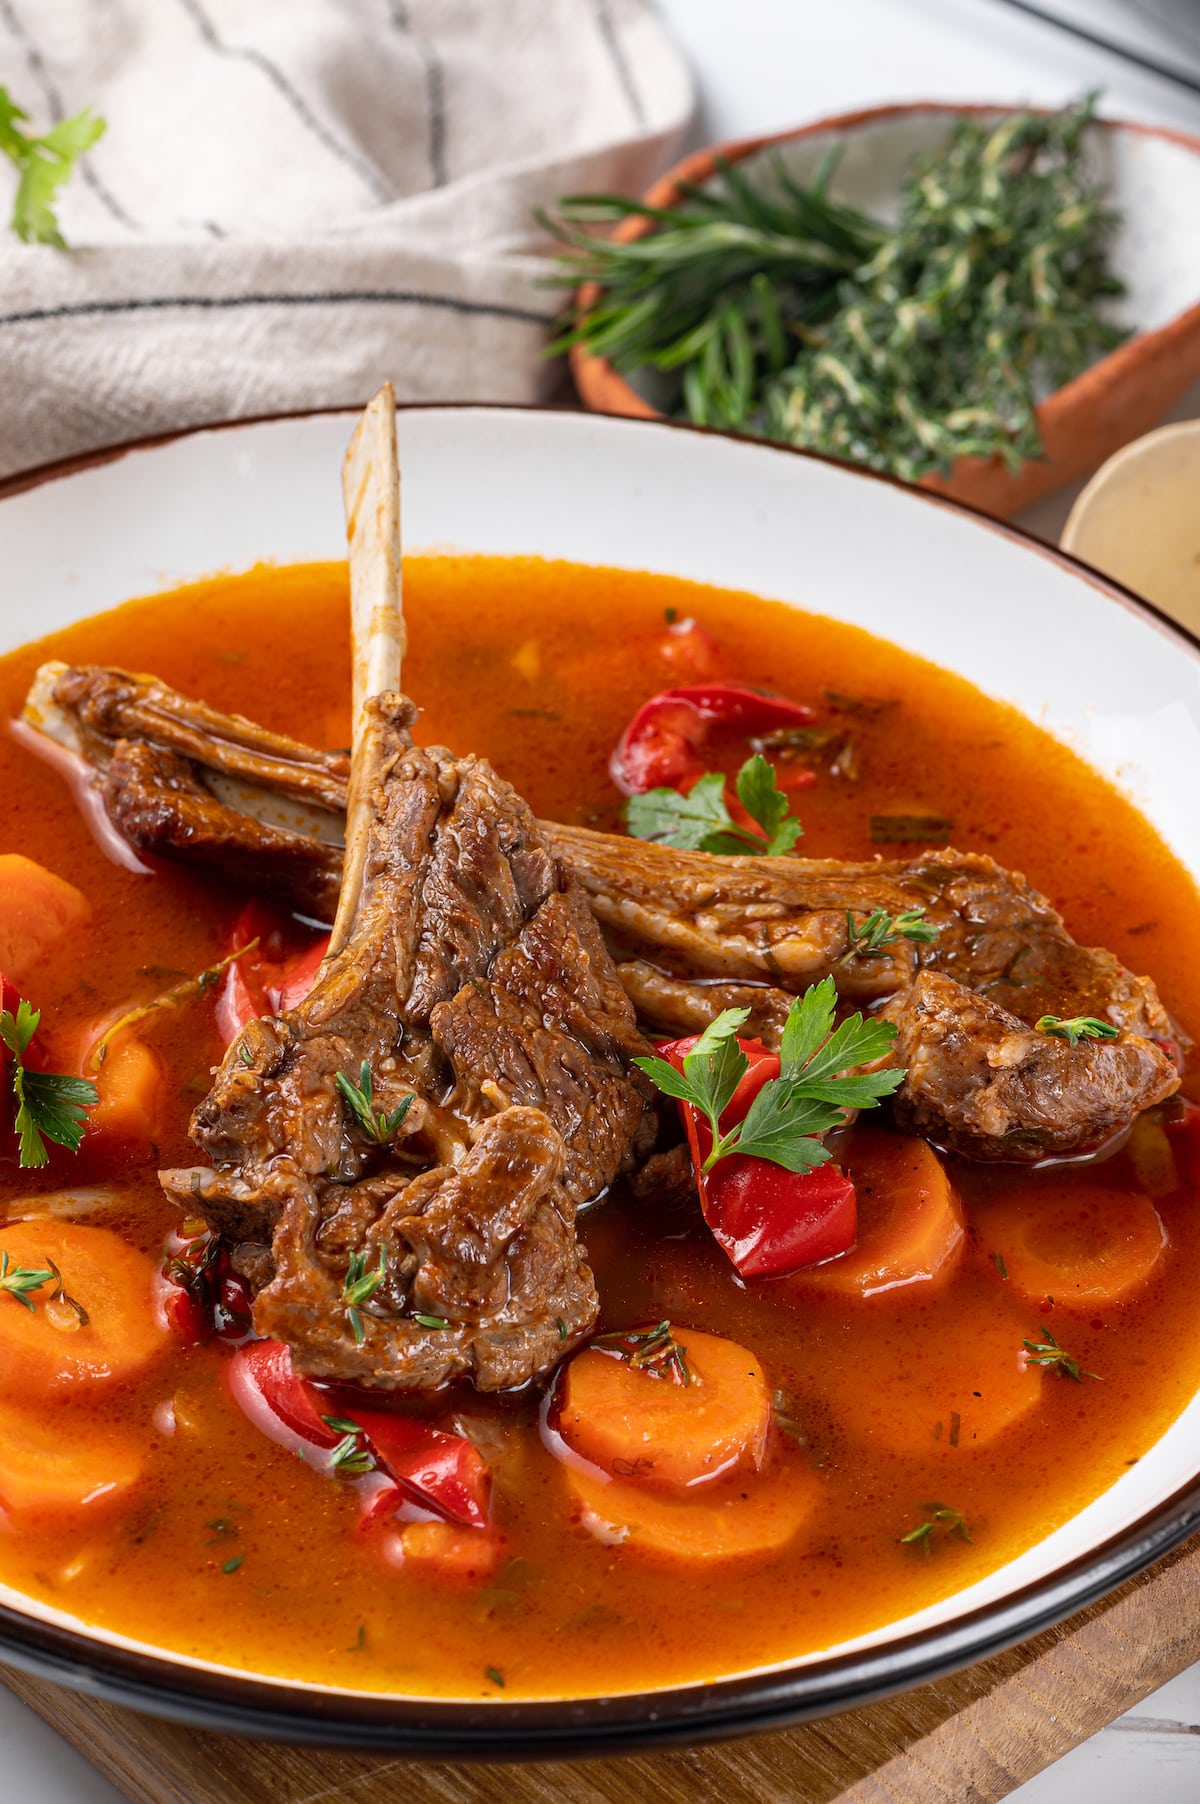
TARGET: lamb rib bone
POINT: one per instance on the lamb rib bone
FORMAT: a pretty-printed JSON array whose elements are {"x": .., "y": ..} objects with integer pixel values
[
  {"x": 693, "y": 933},
  {"x": 470, "y": 979}
]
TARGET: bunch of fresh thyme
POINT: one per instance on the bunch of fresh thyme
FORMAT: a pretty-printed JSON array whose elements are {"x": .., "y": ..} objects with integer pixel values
[{"x": 785, "y": 314}]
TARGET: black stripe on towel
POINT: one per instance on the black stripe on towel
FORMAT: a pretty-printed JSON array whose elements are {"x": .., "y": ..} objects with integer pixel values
[
  {"x": 620, "y": 62},
  {"x": 295, "y": 100},
  {"x": 435, "y": 92},
  {"x": 207, "y": 302}
]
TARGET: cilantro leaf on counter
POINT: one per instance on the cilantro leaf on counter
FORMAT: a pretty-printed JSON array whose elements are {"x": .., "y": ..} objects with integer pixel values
[{"x": 43, "y": 164}]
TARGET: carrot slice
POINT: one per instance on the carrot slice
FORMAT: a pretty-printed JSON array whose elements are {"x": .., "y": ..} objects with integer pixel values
[
  {"x": 52, "y": 1468},
  {"x": 633, "y": 1422},
  {"x": 1084, "y": 1250},
  {"x": 736, "y": 1520},
  {"x": 38, "y": 910},
  {"x": 938, "y": 1392},
  {"x": 910, "y": 1222},
  {"x": 48, "y": 1348},
  {"x": 129, "y": 1082},
  {"x": 444, "y": 1551}
]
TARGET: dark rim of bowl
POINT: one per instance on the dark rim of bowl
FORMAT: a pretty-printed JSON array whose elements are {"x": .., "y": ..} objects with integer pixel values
[{"x": 678, "y": 1715}]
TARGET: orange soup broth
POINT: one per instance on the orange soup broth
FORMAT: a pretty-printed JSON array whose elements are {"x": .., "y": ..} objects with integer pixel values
[{"x": 233, "y": 1550}]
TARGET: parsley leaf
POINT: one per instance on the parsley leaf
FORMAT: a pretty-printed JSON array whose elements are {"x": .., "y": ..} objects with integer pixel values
[
  {"x": 51, "y": 1105},
  {"x": 808, "y": 1098},
  {"x": 43, "y": 165},
  {"x": 701, "y": 822},
  {"x": 1079, "y": 1027}
]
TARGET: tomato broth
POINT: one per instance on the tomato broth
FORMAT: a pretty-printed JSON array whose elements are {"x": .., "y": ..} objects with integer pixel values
[{"x": 230, "y": 1549}]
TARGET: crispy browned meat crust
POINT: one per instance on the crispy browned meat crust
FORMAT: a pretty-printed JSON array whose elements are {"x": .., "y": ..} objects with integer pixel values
[
  {"x": 692, "y": 933},
  {"x": 475, "y": 981}
]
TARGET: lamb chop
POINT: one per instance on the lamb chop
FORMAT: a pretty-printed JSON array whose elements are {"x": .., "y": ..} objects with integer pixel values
[
  {"x": 691, "y": 933},
  {"x": 399, "y": 1160}
]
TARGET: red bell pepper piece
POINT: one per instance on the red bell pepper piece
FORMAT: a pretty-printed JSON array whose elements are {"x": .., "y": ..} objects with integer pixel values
[
  {"x": 769, "y": 1220},
  {"x": 691, "y": 650},
  {"x": 1184, "y": 1135},
  {"x": 439, "y": 1472},
  {"x": 196, "y": 1293},
  {"x": 275, "y": 976},
  {"x": 663, "y": 747}
]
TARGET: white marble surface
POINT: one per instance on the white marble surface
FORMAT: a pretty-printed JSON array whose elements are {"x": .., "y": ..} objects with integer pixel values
[{"x": 763, "y": 65}]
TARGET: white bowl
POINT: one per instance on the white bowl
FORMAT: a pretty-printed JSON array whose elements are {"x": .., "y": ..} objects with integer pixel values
[{"x": 1109, "y": 677}]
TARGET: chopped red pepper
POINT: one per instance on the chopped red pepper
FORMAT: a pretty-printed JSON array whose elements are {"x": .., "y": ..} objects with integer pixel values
[
  {"x": 691, "y": 650},
  {"x": 1184, "y": 1135},
  {"x": 769, "y": 1220},
  {"x": 664, "y": 745},
  {"x": 437, "y": 1471},
  {"x": 276, "y": 975}
]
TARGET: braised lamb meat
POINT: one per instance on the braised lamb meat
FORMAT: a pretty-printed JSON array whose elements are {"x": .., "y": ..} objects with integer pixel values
[
  {"x": 475, "y": 986},
  {"x": 692, "y": 933}
]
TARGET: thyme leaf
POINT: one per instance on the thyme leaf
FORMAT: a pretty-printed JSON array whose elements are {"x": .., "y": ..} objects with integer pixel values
[
  {"x": 20, "y": 1280},
  {"x": 942, "y": 1521},
  {"x": 879, "y": 931},
  {"x": 1078, "y": 1027},
  {"x": 1052, "y": 1358},
  {"x": 360, "y": 1285},
  {"x": 654, "y": 1351}
]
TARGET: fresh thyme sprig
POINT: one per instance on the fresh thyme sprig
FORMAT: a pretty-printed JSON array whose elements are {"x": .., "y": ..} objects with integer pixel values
[
  {"x": 360, "y": 1286},
  {"x": 187, "y": 990},
  {"x": 941, "y": 1520},
  {"x": 1052, "y": 1358},
  {"x": 701, "y": 822},
  {"x": 377, "y": 1125},
  {"x": 1079, "y": 1027},
  {"x": 20, "y": 1280},
  {"x": 51, "y": 1105},
  {"x": 880, "y": 931},
  {"x": 353, "y": 1457},
  {"x": 654, "y": 1351},
  {"x": 809, "y": 1097},
  {"x": 903, "y": 347}
]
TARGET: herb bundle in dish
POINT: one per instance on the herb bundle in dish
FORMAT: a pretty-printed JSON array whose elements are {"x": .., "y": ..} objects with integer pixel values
[{"x": 778, "y": 312}]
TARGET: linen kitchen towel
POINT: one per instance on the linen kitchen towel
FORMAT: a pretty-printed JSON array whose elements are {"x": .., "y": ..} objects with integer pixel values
[{"x": 297, "y": 198}]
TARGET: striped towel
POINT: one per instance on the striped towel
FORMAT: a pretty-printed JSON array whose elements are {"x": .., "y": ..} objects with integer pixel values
[{"x": 297, "y": 198}]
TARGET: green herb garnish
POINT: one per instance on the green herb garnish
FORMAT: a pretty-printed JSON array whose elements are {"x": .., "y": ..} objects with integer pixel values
[
  {"x": 495, "y": 1675},
  {"x": 377, "y": 1125},
  {"x": 1079, "y": 1027},
  {"x": 941, "y": 1520},
  {"x": 901, "y": 829},
  {"x": 43, "y": 164},
  {"x": 51, "y": 1105},
  {"x": 701, "y": 822},
  {"x": 20, "y": 1280},
  {"x": 880, "y": 931},
  {"x": 999, "y": 1262},
  {"x": 360, "y": 1285},
  {"x": 1052, "y": 1358},
  {"x": 651, "y": 1350},
  {"x": 353, "y": 1456},
  {"x": 232, "y": 1564},
  {"x": 768, "y": 308},
  {"x": 809, "y": 1097},
  {"x": 431, "y": 1321}
]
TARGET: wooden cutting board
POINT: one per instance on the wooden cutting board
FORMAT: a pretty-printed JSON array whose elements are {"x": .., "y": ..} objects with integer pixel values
[{"x": 966, "y": 1740}]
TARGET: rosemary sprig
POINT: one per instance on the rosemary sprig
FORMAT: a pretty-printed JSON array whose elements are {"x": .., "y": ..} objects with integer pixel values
[
  {"x": 880, "y": 931},
  {"x": 1052, "y": 1358},
  {"x": 654, "y": 1351},
  {"x": 1078, "y": 1027},
  {"x": 771, "y": 309},
  {"x": 360, "y": 1285},
  {"x": 377, "y": 1125}
]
